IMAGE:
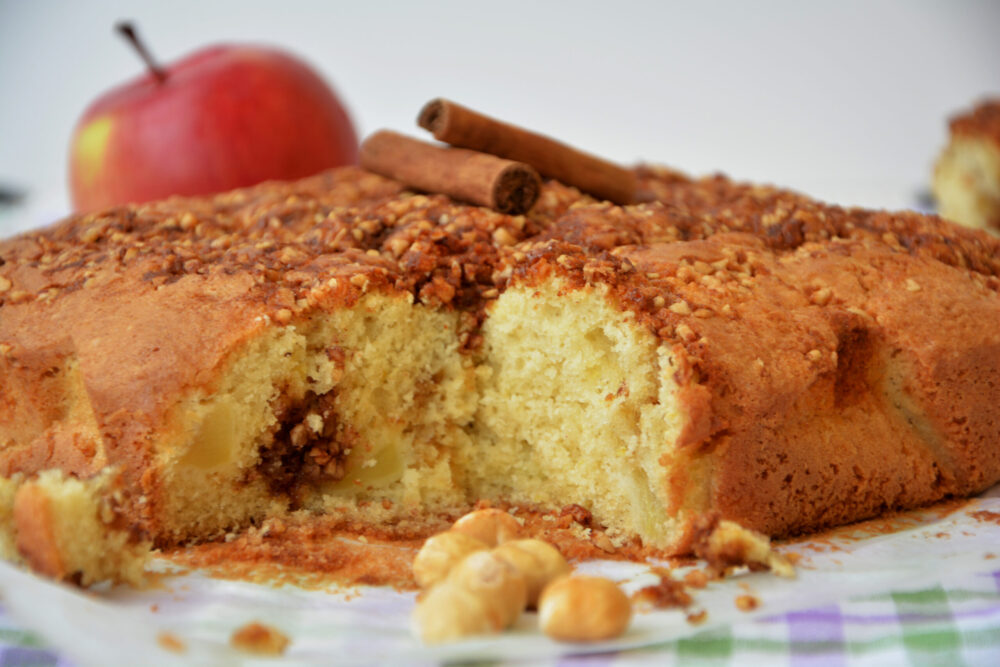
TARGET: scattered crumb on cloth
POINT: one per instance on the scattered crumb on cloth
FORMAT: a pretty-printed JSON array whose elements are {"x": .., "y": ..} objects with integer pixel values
[{"x": 260, "y": 639}]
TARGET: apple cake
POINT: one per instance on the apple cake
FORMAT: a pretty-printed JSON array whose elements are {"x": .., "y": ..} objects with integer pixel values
[
  {"x": 343, "y": 347},
  {"x": 966, "y": 180}
]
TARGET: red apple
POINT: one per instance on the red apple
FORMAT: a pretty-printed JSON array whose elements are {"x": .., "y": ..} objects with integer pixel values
[{"x": 224, "y": 117}]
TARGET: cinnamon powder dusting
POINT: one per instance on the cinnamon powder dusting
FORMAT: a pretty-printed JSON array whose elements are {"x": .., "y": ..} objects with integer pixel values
[
  {"x": 986, "y": 515},
  {"x": 318, "y": 553},
  {"x": 891, "y": 522},
  {"x": 322, "y": 551},
  {"x": 576, "y": 534}
]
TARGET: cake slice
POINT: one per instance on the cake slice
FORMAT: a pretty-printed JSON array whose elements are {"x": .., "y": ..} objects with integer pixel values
[
  {"x": 72, "y": 529},
  {"x": 344, "y": 347},
  {"x": 966, "y": 180}
]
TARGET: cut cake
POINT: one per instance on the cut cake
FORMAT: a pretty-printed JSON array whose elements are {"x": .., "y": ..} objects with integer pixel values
[{"x": 341, "y": 346}]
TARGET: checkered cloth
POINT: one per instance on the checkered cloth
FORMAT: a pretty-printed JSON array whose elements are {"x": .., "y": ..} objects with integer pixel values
[{"x": 956, "y": 624}]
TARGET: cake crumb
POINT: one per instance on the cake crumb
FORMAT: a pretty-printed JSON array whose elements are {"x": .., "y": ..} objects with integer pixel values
[
  {"x": 667, "y": 593},
  {"x": 727, "y": 545},
  {"x": 747, "y": 602},
  {"x": 171, "y": 642},
  {"x": 602, "y": 542},
  {"x": 986, "y": 515},
  {"x": 577, "y": 513},
  {"x": 697, "y": 617},
  {"x": 260, "y": 639},
  {"x": 696, "y": 579}
]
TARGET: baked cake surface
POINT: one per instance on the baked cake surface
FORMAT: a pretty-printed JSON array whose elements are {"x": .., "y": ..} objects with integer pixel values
[{"x": 341, "y": 346}]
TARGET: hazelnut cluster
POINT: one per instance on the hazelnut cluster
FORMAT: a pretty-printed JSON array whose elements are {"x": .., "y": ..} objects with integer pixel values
[{"x": 479, "y": 576}]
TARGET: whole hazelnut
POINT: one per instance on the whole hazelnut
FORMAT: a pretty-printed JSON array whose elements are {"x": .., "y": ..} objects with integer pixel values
[
  {"x": 450, "y": 611},
  {"x": 496, "y": 581},
  {"x": 583, "y": 609},
  {"x": 491, "y": 526},
  {"x": 538, "y": 561},
  {"x": 440, "y": 554}
]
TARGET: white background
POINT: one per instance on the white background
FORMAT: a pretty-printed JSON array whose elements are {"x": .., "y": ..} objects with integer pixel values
[{"x": 847, "y": 100}]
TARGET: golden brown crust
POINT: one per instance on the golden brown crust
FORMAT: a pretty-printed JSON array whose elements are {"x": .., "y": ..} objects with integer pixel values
[
  {"x": 36, "y": 540},
  {"x": 833, "y": 362}
]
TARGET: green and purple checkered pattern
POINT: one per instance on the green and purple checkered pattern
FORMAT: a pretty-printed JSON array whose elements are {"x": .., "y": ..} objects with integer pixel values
[
  {"x": 22, "y": 648},
  {"x": 958, "y": 625},
  {"x": 954, "y": 625}
]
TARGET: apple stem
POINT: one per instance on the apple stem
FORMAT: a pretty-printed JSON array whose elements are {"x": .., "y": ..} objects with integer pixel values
[{"x": 127, "y": 30}]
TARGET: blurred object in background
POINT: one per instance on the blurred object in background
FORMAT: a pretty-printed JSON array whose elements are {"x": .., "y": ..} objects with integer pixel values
[
  {"x": 28, "y": 210},
  {"x": 967, "y": 175},
  {"x": 10, "y": 195}
]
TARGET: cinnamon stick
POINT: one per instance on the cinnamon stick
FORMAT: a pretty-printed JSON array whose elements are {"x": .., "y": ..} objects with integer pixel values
[
  {"x": 459, "y": 126},
  {"x": 478, "y": 178}
]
